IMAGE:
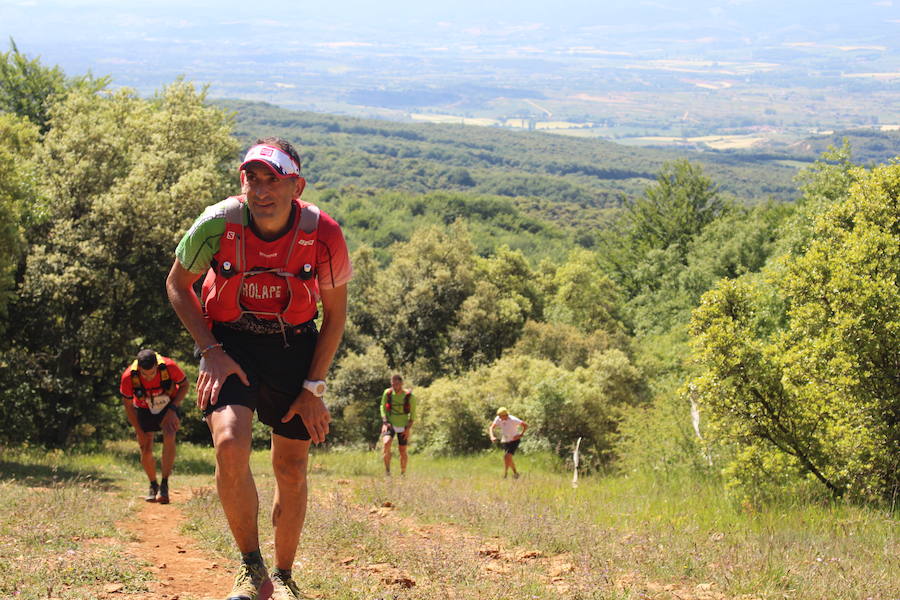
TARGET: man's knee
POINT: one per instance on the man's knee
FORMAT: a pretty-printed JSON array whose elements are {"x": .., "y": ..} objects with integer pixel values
[
  {"x": 146, "y": 444},
  {"x": 290, "y": 459},
  {"x": 231, "y": 450},
  {"x": 231, "y": 432},
  {"x": 290, "y": 469}
]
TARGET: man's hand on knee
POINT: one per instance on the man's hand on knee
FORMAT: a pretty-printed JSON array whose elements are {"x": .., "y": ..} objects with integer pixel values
[
  {"x": 170, "y": 422},
  {"x": 314, "y": 414},
  {"x": 215, "y": 368}
]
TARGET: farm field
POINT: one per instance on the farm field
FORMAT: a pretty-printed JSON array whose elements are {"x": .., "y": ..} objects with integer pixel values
[
  {"x": 452, "y": 528},
  {"x": 717, "y": 142}
]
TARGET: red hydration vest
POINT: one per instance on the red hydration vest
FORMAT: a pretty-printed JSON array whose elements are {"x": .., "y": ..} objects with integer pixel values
[
  {"x": 230, "y": 269},
  {"x": 165, "y": 380},
  {"x": 388, "y": 406}
]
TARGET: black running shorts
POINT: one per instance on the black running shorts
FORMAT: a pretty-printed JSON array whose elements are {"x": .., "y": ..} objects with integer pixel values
[
  {"x": 510, "y": 447},
  {"x": 276, "y": 366},
  {"x": 401, "y": 438},
  {"x": 150, "y": 422}
]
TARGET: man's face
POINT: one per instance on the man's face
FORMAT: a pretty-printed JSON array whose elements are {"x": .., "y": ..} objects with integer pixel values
[
  {"x": 268, "y": 197},
  {"x": 148, "y": 373},
  {"x": 504, "y": 416},
  {"x": 397, "y": 384}
]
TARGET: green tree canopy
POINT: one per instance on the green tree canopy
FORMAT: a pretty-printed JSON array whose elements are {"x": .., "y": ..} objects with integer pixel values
[
  {"x": 354, "y": 396},
  {"x": 666, "y": 218},
  {"x": 29, "y": 89},
  {"x": 674, "y": 210},
  {"x": 414, "y": 302},
  {"x": 492, "y": 317},
  {"x": 20, "y": 203},
  {"x": 124, "y": 177},
  {"x": 584, "y": 296},
  {"x": 820, "y": 393}
]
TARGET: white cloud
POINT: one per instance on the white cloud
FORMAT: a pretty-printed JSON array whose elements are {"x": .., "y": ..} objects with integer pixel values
[
  {"x": 343, "y": 44},
  {"x": 117, "y": 61}
]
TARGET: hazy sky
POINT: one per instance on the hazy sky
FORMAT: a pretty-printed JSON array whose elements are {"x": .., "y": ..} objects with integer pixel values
[
  {"x": 43, "y": 19},
  {"x": 137, "y": 38}
]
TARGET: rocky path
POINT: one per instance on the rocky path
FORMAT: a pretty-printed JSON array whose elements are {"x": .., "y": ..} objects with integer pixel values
[
  {"x": 182, "y": 570},
  {"x": 439, "y": 560}
]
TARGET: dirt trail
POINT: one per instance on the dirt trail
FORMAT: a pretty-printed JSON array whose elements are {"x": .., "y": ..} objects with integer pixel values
[
  {"x": 562, "y": 574},
  {"x": 182, "y": 570},
  {"x": 494, "y": 558}
]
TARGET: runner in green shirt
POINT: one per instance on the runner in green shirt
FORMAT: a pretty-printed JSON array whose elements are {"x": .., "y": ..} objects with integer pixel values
[{"x": 398, "y": 411}]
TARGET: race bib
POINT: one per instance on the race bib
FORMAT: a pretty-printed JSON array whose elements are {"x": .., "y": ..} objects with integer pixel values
[{"x": 157, "y": 403}]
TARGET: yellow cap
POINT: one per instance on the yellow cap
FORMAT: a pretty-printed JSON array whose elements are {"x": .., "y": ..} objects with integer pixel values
[{"x": 502, "y": 411}]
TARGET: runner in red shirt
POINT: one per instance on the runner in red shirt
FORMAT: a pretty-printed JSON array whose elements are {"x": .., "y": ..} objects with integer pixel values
[
  {"x": 152, "y": 389},
  {"x": 270, "y": 263}
]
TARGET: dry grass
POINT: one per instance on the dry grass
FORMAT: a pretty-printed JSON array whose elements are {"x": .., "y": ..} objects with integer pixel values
[
  {"x": 57, "y": 527},
  {"x": 454, "y": 529},
  {"x": 680, "y": 538}
]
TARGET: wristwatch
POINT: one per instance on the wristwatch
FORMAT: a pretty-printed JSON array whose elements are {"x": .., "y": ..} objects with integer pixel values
[{"x": 316, "y": 387}]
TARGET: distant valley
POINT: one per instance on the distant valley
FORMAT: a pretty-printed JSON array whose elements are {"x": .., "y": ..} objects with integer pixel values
[
  {"x": 757, "y": 75},
  {"x": 342, "y": 151}
]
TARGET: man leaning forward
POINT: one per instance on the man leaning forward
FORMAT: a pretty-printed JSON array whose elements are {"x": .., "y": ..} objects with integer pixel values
[{"x": 270, "y": 261}]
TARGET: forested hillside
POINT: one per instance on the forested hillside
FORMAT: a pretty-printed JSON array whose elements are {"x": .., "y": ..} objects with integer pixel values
[
  {"x": 418, "y": 158},
  {"x": 599, "y": 292},
  {"x": 870, "y": 147}
]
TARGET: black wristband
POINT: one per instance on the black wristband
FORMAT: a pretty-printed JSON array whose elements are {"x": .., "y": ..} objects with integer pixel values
[{"x": 178, "y": 412}]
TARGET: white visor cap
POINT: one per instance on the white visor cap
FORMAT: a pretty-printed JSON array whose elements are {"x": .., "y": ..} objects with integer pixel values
[{"x": 279, "y": 162}]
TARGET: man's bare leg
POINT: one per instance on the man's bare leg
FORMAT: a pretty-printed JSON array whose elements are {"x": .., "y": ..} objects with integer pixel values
[
  {"x": 289, "y": 463},
  {"x": 386, "y": 451},
  {"x": 145, "y": 443},
  {"x": 403, "y": 458},
  {"x": 168, "y": 454},
  {"x": 231, "y": 432}
]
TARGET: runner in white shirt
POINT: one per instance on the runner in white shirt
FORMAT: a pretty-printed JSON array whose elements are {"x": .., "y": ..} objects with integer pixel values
[{"x": 511, "y": 429}]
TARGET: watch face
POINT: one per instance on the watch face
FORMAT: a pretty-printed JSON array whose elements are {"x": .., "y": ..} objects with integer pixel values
[{"x": 316, "y": 387}]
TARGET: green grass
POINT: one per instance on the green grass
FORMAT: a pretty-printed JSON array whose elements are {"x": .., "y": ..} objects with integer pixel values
[
  {"x": 667, "y": 531},
  {"x": 627, "y": 537},
  {"x": 58, "y": 516},
  {"x": 54, "y": 507}
]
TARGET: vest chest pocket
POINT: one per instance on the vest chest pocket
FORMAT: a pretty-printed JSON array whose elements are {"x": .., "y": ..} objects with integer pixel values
[{"x": 157, "y": 403}]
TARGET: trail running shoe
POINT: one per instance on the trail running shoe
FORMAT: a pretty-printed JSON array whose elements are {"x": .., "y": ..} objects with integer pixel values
[
  {"x": 284, "y": 588},
  {"x": 251, "y": 583},
  {"x": 162, "y": 496},
  {"x": 151, "y": 493}
]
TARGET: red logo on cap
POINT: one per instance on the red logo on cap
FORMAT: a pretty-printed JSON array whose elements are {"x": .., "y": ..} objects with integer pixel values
[{"x": 266, "y": 151}]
